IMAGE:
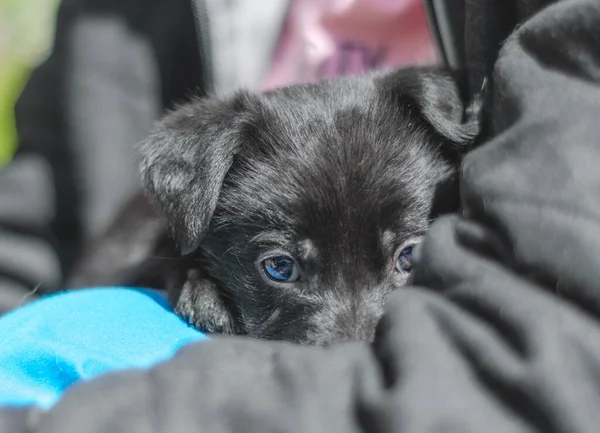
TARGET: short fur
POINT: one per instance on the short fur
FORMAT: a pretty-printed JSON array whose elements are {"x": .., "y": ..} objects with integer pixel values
[{"x": 338, "y": 175}]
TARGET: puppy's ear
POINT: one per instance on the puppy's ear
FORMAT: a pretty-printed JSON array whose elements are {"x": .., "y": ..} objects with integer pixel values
[
  {"x": 185, "y": 160},
  {"x": 434, "y": 93}
]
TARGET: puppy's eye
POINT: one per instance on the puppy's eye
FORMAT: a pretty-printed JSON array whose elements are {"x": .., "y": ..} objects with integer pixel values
[
  {"x": 405, "y": 260},
  {"x": 281, "y": 268}
]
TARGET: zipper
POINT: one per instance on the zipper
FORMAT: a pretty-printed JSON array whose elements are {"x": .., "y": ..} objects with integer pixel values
[{"x": 204, "y": 45}]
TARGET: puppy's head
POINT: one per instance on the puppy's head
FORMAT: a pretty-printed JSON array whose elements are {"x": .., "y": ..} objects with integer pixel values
[{"x": 298, "y": 210}]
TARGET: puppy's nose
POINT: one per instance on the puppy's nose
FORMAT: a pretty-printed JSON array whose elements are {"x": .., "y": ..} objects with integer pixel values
[
  {"x": 353, "y": 327},
  {"x": 348, "y": 318},
  {"x": 343, "y": 337}
]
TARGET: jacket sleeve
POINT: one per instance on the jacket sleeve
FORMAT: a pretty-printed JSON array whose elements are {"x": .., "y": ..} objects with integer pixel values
[
  {"x": 500, "y": 332},
  {"x": 114, "y": 67}
]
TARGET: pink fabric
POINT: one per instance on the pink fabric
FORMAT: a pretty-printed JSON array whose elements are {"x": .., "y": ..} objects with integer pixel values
[{"x": 324, "y": 38}]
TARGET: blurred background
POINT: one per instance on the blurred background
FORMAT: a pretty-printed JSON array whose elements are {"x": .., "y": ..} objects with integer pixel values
[{"x": 26, "y": 29}]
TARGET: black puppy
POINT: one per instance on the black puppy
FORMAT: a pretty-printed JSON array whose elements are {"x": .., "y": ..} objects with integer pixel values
[{"x": 297, "y": 211}]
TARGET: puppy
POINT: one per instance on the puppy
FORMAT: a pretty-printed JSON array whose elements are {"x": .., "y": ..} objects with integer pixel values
[{"x": 292, "y": 214}]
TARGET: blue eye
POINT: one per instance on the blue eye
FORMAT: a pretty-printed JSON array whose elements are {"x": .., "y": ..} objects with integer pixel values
[
  {"x": 405, "y": 261},
  {"x": 281, "y": 268}
]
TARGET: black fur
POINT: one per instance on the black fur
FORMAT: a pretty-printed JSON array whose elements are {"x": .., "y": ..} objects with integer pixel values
[{"x": 337, "y": 175}]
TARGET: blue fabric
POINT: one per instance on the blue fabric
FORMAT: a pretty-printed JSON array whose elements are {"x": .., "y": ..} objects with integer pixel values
[{"x": 48, "y": 345}]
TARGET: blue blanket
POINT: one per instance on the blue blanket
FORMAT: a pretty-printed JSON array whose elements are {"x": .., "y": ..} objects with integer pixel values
[{"x": 52, "y": 343}]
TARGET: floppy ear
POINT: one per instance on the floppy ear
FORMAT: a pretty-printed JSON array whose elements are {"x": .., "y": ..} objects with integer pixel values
[
  {"x": 185, "y": 160},
  {"x": 434, "y": 93}
]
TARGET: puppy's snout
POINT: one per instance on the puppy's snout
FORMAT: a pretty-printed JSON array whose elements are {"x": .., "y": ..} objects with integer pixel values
[
  {"x": 347, "y": 320},
  {"x": 357, "y": 326},
  {"x": 348, "y": 331}
]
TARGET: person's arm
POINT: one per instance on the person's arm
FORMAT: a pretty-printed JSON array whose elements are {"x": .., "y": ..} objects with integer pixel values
[
  {"x": 28, "y": 258},
  {"x": 115, "y": 66}
]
